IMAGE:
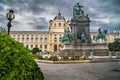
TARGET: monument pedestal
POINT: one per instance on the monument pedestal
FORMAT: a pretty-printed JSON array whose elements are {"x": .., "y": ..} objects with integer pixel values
[{"x": 99, "y": 49}]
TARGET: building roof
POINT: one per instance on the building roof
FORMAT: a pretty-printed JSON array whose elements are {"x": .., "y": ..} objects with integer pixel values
[{"x": 59, "y": 17}]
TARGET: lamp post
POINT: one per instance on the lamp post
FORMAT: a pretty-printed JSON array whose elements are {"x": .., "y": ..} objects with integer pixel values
[{"x": 10, "y": 16}]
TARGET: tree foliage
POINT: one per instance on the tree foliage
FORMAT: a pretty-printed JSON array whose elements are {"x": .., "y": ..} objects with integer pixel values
[
  {"x": 35, "y": 50},
  {"x": 16, "y": 62},
  {"x": 115, "y": 46}
]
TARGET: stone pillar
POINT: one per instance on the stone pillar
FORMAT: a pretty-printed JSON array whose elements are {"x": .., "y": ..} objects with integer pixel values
[
  {"x": 117, "y": 54},
  {"x": 110, "y": 54},
  {"x": 91, "y": 55}
]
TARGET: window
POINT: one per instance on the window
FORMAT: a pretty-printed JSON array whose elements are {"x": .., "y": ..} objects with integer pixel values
[
  {"x": 27, "y": 39},
  {"x": 22, "y": 35},
  {"x": 41, "y": 39},
  {"x": 55, "y": 24},
  {"x": 55, "y": 34},
  {"x": 60, "y": 35},
  {"x": 13, "y": 36},
  {"x": 27, "y": 35},
  {"x": 55, "y": 47},
  {"x": 36, "y": 39},
  {"x": 64, "y": 25},
  {"x": 45, "y": 46},
  {"x": 45, "y": 40},
  {"x": 59, "y": 24},
  {"x": 22, "y": 39},
  {"x": 31, "y": 46},
  {"x": 18, "y": 39},
  {"x": 31, "y": 39},
  {"x": 55, "y": 39},
  {"x": 36, "y": 45},
  {"x": 18, "y": 35},
  {"x": 27, "y": 46},
  {"x": 41, "y": 46},
  {"x": 31, "y": 35}
]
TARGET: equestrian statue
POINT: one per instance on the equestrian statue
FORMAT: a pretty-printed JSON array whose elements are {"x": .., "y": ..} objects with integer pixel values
[{"x": 100, "y": 35}]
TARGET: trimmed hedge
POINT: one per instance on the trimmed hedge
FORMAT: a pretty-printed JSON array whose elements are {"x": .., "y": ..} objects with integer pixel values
[{"x": 16, "y": 62}]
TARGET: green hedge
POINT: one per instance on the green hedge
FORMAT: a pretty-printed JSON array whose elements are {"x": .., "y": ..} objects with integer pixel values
[{"x": 16, "y": 62}]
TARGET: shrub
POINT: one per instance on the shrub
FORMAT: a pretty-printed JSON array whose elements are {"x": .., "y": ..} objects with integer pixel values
[
  {"x": 65, "y": 58},
  {"x": 84, "y": 58},
  {"x": 53, "y": 58},
  {"x": 35, "y": 50},
  {"x": 75, "y": 58},
  {"x": 16, "y": 62},
  {"x": 36, "y": 56}
]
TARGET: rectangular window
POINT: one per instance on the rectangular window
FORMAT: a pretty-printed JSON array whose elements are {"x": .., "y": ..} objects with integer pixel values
[
  {"x": 45, "y": 46},
  {"x": 18, "y": 39},
  {"x": 27, "y": 40},
  {"x": 31, "y": 39},
  {"x": 22, "y": 35},
  {"x": 31, "y": 46},
  {"x": 41, "y": 39},
  {"x": 45, "y": 40},
  {"x": 26, "y": 46},
  {"x": 41, "y": 46},
  {"x": 22, "y": 39},
  {"x": 36, "y": 39},
  {"x": 55, "y": 39}
]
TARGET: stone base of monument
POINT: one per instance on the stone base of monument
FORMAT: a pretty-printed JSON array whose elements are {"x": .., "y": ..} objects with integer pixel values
[{"x": 97, "y": 49}]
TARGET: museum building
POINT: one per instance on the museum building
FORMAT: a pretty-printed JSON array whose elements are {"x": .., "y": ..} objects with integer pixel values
[{"x": 49, "y": 40}]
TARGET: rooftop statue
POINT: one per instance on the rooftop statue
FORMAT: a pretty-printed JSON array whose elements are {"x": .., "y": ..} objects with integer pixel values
[
  {"x": 100, "y": 35},
  {"x": 67, "y": 37},
  {"x": 77, "y": 10}
]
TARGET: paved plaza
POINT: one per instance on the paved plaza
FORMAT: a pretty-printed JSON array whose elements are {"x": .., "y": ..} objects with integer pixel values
[{"x": 81, "y": 71}]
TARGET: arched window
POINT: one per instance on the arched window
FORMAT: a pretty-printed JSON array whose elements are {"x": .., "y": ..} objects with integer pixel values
[
  {"x": 59, "y": 24},
  {"x": 55, "y": 47}
]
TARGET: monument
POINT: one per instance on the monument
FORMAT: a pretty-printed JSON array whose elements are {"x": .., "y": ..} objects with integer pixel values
[{"x": 77, "y": 39}]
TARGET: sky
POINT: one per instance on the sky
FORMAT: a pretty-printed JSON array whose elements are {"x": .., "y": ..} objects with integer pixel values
[{"x": 34, "y": 15}]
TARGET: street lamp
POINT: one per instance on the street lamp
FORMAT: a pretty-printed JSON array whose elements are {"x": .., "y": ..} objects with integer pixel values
[{"x": 10, "y": 16}]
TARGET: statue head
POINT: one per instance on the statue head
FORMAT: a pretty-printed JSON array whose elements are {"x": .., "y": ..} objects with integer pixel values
[{"x": 77, "y": 4}]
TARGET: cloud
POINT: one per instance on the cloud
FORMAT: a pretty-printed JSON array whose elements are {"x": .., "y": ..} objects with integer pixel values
[{"x": 35, "y": 14}]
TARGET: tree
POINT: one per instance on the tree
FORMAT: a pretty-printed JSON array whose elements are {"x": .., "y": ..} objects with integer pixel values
[
  {"x": 16, "y": 62},
  {"x": 115, "y": 46},
  {"x": 35, "y": 50}
]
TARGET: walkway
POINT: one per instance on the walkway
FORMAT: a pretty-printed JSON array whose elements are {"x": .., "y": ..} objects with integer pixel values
[{"x": 82, "y": 71}]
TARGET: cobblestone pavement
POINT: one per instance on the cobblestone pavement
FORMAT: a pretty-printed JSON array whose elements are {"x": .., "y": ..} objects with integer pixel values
[{"x": 81, "y": 71}]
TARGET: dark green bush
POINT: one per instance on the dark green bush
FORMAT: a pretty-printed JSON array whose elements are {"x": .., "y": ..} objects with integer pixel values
[
  {"x": 16, "y": 62},
  {"x": 35, "y": 50}
]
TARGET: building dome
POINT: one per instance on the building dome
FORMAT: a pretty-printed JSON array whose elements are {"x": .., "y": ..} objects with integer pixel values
[{"x": 59, "y": 17}]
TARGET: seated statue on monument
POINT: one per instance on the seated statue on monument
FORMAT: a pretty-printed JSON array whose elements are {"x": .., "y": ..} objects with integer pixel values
[
  {"x": 67, "y": 37},
  {"x": 77, "y": 11}
]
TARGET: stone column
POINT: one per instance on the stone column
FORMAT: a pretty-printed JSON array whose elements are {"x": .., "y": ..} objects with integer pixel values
[
  {"x": 91, "y": 55},
  {"x": 117, "y": 54},
  {"x": 110, "y": 54}
]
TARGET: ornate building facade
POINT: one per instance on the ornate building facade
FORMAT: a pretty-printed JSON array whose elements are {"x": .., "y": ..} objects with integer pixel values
[
  {"x": 49, "y": 40},
  {"x": 45, "y": 40}
]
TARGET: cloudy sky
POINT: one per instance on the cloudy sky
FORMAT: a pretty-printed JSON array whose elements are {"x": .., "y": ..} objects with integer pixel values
[{"x": 35, "y": 14}]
